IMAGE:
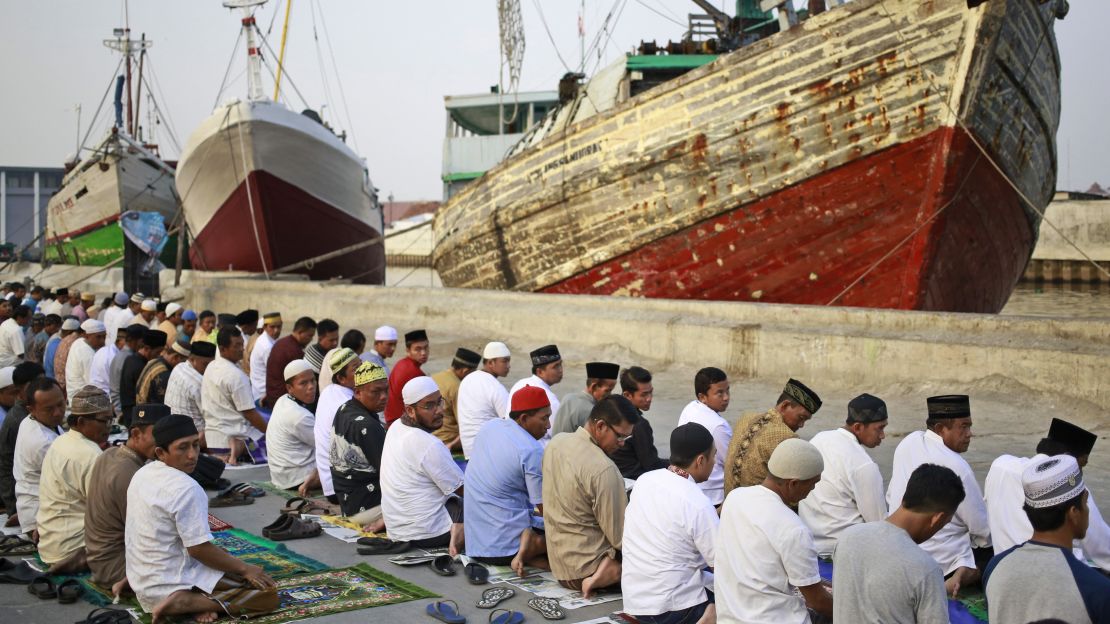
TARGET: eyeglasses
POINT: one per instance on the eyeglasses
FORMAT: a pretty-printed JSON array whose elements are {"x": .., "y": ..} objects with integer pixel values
[
  {"x": 432, "y": 405},
  {"x": 620, "y": 438}
]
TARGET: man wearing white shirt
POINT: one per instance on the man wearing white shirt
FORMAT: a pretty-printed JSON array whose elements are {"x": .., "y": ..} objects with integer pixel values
[
  {"x": 481, "y": 395},
  {"x": 421, "y": 483},
  {"x": 851, "y": 487},
  {"x": 79, "y": 364},
  {"x": 226, "y": 400},
  {"x": 385, "y": 344},
  {"x": 112, "y": 316},
  {"x": 711, "y": 399},
  {"x": 290, "y": 438},
  {"x": 183, "y": 391},
  {"x": 46, "y": 405},
  {"x": 947, "y": 434},
  {"x": 343, "y": 364},
  {"x": 670, "y": 531},
  {"x": 100, "y": 369},
  {"x": 1005, "y": 496},
  {"x": 271, "y": 331},
  {"x": 547, "y": 370},
  {"x": 12, "y": 339},
  {"x": 766, "y": 561}
]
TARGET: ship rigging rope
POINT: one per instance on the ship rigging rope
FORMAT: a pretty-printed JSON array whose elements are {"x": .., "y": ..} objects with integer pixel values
[
  {"x": 250, "y": 199},
  {"x": 338, "y": 81},
  {"x": 227, "y": 72},
  {"x": 982, "y": 154},
  {"x": 96, "y": 115},
  {"x": 511, "y": 33}
]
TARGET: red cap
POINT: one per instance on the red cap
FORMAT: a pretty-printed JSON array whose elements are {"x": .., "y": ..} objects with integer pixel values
[{"x": 529, "y": 398}]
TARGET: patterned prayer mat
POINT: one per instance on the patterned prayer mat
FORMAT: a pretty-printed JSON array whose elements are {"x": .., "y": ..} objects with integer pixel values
[
  {"x": 215, "y": 524},
  {"x": 969, "y": 608},
  {"x": 340, "y": 521},
  {"x": 275, "y": 558},
  {"x": 286, "y": 494}
]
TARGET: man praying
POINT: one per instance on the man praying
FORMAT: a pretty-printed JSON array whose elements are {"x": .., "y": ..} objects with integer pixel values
[
  {"x": 358, "y": 437},
  {"x": 639, "y": 454},
  {"x": 385, "y": 345},
  {"x": 343, "y": 365},
  {"x": 711, "y": 399},
  {"x": 481, "y": 395},
  {"x": 757, "y": 435},
  {"x": 407, "y": 368},
  {"x": 290, "y": 440},
  {"x": 449, "y": 380},
  {"x": 229, "y": 414},
  {"x": 601, "y": 378}
]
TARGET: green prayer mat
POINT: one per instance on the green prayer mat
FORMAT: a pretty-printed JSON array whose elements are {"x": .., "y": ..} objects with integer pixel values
[
  {"x": 286, "y": 494},
  {"x": 316, "y": 594},
  {"x": 276, "y": 559}
]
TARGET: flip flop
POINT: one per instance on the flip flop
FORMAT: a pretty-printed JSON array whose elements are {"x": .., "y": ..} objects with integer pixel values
[
  {"x": 374, "y": 541},
  {"x": 104, "y": 615},
  {"x": 495, "y": 596},
  {"x": 248, "y": 489},
  {"x": 548, "y": 607},
  {"x": 506, "y": 617},
  {"x": 42, "y": 587},
  {"x": 16, "y": 545},
  {"x": 69, "y": 591},
  {"x": 294, "y": 505},
  {"x": 231, "y": 498},
  {"x": 476, "y": 574},
  {"x": 445, "y": 611},
  {"x": 444, "y": 565},
  {"x": 16, "y": 573},
  {"x": 392, "y": 548},
  {"x": 411, "y": 560}
]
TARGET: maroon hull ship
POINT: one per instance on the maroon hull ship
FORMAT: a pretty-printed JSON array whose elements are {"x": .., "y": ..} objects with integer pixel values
[{"x": 885, "y": 153}]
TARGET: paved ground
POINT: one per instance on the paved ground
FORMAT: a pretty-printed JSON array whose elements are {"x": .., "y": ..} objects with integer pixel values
[{"x": 1008, "y": 419}]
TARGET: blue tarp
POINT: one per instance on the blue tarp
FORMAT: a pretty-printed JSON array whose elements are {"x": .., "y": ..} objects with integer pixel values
[{"x": 147, "y": 230}]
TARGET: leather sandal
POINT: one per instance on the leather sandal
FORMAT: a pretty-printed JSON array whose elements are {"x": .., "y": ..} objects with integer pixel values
[{"x": 295, "y": 528}]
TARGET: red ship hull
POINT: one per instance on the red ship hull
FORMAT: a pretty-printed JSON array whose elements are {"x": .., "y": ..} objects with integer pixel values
[
  {"x": 925, "y": 225},
  {"x": 293, "y": 227}
]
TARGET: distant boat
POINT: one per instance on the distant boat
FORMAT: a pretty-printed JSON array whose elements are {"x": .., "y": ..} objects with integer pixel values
[
  {"x": 120, "y": 174},
  {"x": 834, "y": 162},
  {"x": 263, "y": 188}
]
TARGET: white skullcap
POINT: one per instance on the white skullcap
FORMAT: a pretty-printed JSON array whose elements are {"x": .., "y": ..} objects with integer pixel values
[
  {"x": 93, "y": 326},
  {"x": 385, "y": 332},
  {"x": 71, "y": 324},
  {"x": 795, "y": 459},
  {"x": 6, "y": 376},
  {"x": 495, "y": 350},
  {"x": 296, "y": 367},
  {"x": 417, "y": 388},
  {"x": 121, "y": 298},
  {"x": 149, "y": 305},
  {"x": 1052, "y": 481},
  {"x": 172, "y": 308}
]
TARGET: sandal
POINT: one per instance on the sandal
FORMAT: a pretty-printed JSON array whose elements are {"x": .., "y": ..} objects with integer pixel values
[
  {"x": 248, "y": 489},
  {"x": 42, "y": 587},
  {"x": 69, "y": 591},
  {"x": 295, "y": 528},
  {"x": 476, "y": 573},
  {"x": 105, "y": 615},
  {"x": 17, "y": 573},
  {"x": 548, "y": 607},
  {"x": 16, "y": 545},
  {"x": 389, "y": 547},
  {"x": 411, "y": 560},
  {"x": 445, "y": 611},
  {"x": 444, "y": 565},
  {"x": 281, "y": 523},
  {"x": 494, "y": 596},
  {"x": 506, "y": 617},
  {"x": 377, "y": 542},
  {"x": 230, "y": 498}
]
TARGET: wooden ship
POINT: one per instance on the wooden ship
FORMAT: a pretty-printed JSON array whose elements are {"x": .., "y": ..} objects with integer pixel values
[{"x": 882, "y": 153}]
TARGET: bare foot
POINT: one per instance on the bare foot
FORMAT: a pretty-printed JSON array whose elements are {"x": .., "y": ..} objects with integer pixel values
[
  {"x": 120, "y": 587},
  {"x": 457, "y": 541},
  {"x": 13, "y": 520},
  {"x": 211, "y": 616},
  {"x": 184, "y": 602},
  {"x": 517, "y": 565},
  {"x": 375, "y": 527}
]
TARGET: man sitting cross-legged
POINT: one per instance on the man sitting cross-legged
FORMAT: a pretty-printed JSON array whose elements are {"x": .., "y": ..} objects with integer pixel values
[
  {"x": 356, "y": 448},
  {"x": 584, "y": 498},
  {"x": 172, "y": 564},
  {"x": 504, "y": 482},
  {"x": 670, "y": 534}
]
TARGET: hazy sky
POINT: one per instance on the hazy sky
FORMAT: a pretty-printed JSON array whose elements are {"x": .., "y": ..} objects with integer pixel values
[{"x": 396, "y": 60}]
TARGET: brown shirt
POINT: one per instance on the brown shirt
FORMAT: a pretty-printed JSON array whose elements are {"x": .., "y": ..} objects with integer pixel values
[
  {"x": 106, "y": 513},
  {"x": 755, "y": 438},
  {"x": 60, "y": 357},
  {"x": 448, "y": 383},
  {"x": 583, "y": 505},
  {"x": 245, "y": 363}
]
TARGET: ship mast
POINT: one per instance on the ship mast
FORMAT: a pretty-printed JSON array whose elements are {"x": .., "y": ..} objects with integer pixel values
[
  {"x": 254, "y": 58},
  {"x": 124, "y": 44},
  {"x": 281, "y": 52}
]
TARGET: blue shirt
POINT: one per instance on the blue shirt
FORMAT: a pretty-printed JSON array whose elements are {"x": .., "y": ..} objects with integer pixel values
[
  {"x": 503, "y": 483},
  {"x": 48, "y": 355}
]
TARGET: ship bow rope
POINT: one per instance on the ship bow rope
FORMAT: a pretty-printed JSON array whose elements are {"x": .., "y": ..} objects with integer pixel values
[{"x": 511, "y": 30}]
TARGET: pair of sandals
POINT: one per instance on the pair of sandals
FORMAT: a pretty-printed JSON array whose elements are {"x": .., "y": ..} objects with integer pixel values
[
  {"x": 107, "y": 616},
  {"x": 444, "y": 565},
  {"x": 67, "y": 592},
  {"x": 287, "y": 527},
  {"x": 384, "y": 546},
  {"x": 236, "y": 495},
  {"x": 298, "y": 506},
  {"x": 448, "y": 611},
  {"x": 15, "y": 545},
  {"x": 18, "y": 573}
]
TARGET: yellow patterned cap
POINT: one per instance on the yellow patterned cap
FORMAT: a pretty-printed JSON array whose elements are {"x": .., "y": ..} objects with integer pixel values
[
  {"x": 369, "y": 372},
  {"x": 340, "y": 359}
]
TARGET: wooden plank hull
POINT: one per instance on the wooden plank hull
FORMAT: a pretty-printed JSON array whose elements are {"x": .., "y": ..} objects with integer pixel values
[{"x": 846, "y": 161}]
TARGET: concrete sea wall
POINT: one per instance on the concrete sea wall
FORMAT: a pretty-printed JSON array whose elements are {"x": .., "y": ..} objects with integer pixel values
[{"x": 854, "y": 347}]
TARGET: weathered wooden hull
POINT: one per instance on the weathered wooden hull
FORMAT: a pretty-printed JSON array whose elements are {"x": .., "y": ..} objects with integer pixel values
[{"x": 839, "y": 162}]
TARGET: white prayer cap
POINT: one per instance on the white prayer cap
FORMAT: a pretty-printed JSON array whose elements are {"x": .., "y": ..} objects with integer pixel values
[
  {"x": 495, "y": 350},
  {"x": 93, "y": 326},
  {"x": 121, "y": 299},
  {"x": 149, "y": 305},
  {"x": 795, "y": 459},
  {"x": 385, "y": 332},
  {"x": 71, "y": 324},
  {"x": 172, "y": 308},
  {"x": 1052, "y": 481},
  {"x": 6, "y": 376},
  {"x": 418, "y": 388},
  {"x": 296, "y": 367}
]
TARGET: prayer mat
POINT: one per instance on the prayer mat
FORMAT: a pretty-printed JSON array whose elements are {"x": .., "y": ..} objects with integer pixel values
[
  {"x": 215, "y": 524},
  {"x": 969, "y": 608},
  {"x": 306, "y": 596},
  {"x": 286, "y": 494},
  {"x": 342, "y": 522},
  {"x": 276, "y": 559}
]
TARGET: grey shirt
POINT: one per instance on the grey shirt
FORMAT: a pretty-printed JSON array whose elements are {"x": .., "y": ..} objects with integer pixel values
[
  {"x": 880, "y": 576},
  {"x": 573, "y": 413},
  {"x": 1036, "y": 581},
  {"x": 115, "y": 371}
]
